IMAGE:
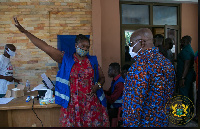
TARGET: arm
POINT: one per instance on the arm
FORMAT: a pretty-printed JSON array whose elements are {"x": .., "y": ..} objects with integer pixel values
[
  {"x": 134, "y": 92},
  {"x": 54, "y": 53},
  {"x": 107, "y": 92},
  {"x": 8, "y": 78},
  {"x": 101, "y": 80},
  {"x": 17, "y": 80},
  {"x": 185, "y": 71},
  {"x": 116, "y": 94},
  {"x": 186, "y": 67},
  {"x": 101, "y": 77}
]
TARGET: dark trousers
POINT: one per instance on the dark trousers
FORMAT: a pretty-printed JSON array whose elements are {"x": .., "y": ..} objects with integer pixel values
[{"x": 112, "y": 112}]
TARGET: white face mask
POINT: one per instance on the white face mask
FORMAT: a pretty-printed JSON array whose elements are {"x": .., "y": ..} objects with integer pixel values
[
  {"x": 11, "y": 53},
  {"x": 133, "y": 54}
]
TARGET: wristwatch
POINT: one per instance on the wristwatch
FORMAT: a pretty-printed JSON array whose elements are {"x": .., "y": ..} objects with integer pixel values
[{"x": 99, "y": 84}]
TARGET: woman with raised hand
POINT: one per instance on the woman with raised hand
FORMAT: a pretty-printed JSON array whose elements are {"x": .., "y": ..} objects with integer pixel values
[{"x": 77, "y": 82}]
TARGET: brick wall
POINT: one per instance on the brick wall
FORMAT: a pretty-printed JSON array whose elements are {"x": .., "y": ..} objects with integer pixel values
[{"x": 45, "y": 19}]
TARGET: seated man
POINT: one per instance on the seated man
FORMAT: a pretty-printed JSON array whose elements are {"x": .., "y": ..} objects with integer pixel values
[
  {"x": 6, "y": 69},
  {"x": 114, "y": 94}
]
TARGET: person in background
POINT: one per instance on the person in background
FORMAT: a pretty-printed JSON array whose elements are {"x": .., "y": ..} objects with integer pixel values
[
  {"x": 149, "y": 84},
  {"x": 197, "y": 105},
  {"x": 114, "y": 94},
  {"x": 75, "y": 88},
  {"x": 125, "y": 70},
  {"x": 196, "y": 61},
  {"x": 185, "y": 68},
  {"x": 127, "y": 55},
  {"x": 167, "y": 49},
  {"x": 6, "y": 69},
  {"x": 158, "y": 42}
]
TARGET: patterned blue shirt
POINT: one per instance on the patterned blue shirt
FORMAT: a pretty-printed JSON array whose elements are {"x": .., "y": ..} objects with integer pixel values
[{"x": 149, "y": 84}]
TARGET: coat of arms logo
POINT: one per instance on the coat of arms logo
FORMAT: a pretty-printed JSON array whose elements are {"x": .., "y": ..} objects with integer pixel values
[{"x": 179, "y": 110}]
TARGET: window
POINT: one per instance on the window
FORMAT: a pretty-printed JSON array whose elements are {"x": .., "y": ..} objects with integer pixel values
[
  {"x": 135, "y": 14},
  {"x": 164, "y": 15},
  {"x": 159, "y": 17},
  {"x": 128, "y": 34}
]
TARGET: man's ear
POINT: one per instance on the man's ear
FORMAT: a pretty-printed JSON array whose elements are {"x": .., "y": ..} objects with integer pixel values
[
  {"x": 76, "y": 44},
  {"x": 143, "y": 44}
]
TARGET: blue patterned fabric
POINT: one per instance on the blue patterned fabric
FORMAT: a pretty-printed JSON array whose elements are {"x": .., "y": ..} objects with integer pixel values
[{"x": 149, "y": 84}]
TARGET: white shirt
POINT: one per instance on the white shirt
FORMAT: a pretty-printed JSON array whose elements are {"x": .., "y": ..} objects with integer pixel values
[{"x": 6, "y": 69}]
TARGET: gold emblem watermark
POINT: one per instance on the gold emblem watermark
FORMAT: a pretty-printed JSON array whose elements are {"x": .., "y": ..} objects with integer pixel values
[{"x": 179, "y": 110}]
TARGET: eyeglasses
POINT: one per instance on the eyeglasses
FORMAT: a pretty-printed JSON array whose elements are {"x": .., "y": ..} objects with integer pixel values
[{"x": 136, "y": 41}]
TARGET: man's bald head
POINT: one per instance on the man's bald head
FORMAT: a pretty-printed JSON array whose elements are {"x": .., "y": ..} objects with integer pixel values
[
  {"x": 146, "y": 39},
  {"x": 144, "y": 33}
]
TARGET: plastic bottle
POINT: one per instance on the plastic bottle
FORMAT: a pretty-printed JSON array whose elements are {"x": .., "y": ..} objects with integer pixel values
[{"x": 28, "y": 85}]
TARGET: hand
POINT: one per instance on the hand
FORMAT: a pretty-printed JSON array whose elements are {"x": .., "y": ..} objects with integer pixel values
[
  {"x": 181, "y": 83},
  {"x": 95, "y": 88},
  {"x": 9, "y": 78},
  {"x": 90, "y": 95},
  {"x": 16, "y": 80},
  {"x": 21, "y": 29}
]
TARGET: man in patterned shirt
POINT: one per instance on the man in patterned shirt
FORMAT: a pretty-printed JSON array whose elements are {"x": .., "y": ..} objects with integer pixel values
[{"x": 149, "y": 83}]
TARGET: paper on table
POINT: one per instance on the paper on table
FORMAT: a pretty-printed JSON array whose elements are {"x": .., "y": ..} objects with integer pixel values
[
  {"x": 5, "y": 100},
  {"x": 40, "y": 87},
  {"x": 15, "y": 89}
]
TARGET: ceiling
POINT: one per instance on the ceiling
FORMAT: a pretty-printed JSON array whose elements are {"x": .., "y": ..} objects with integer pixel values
[{"x": 165, "y": 1}]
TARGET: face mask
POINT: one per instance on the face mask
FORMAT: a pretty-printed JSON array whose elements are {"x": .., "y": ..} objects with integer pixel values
[
  {"x": 11, "y": 53},
  {"x": 81, "y": 52},
  {"x": 133, "y": 54}
]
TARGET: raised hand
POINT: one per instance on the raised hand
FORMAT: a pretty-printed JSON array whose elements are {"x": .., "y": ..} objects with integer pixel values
[
  {"x": 21, "y": 29},
  {"x": 54, "y": 53},
  {"x": 17, "y": 80}
]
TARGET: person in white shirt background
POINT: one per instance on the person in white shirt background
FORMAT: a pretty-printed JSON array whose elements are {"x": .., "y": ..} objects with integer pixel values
[{"x": 6, "y": 69}]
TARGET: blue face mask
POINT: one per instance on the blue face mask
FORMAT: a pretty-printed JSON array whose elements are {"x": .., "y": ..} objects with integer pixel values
[{"x": 81, "y": 52}]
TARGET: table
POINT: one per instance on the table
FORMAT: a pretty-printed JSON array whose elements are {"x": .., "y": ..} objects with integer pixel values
[{"x": 19, "y": 113}]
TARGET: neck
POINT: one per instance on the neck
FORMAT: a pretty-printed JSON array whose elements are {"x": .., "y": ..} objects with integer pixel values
[
  {"x": 166, "y": 48},
  {"x": 149, "y": 45},
  {"x": 115, "y": 75},
  {"x": 79, "y": 57},
  {"x": 6, "y": 55}
]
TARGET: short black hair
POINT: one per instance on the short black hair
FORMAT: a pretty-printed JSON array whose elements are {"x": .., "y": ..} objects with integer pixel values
[
  {"x": 9, "y": 46},
  {"x": 158, "y": 36},
  {"x": 115, "y": 66},
  {"x": 80, "y": 38},
  {"x": 187, "y": 39}
]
